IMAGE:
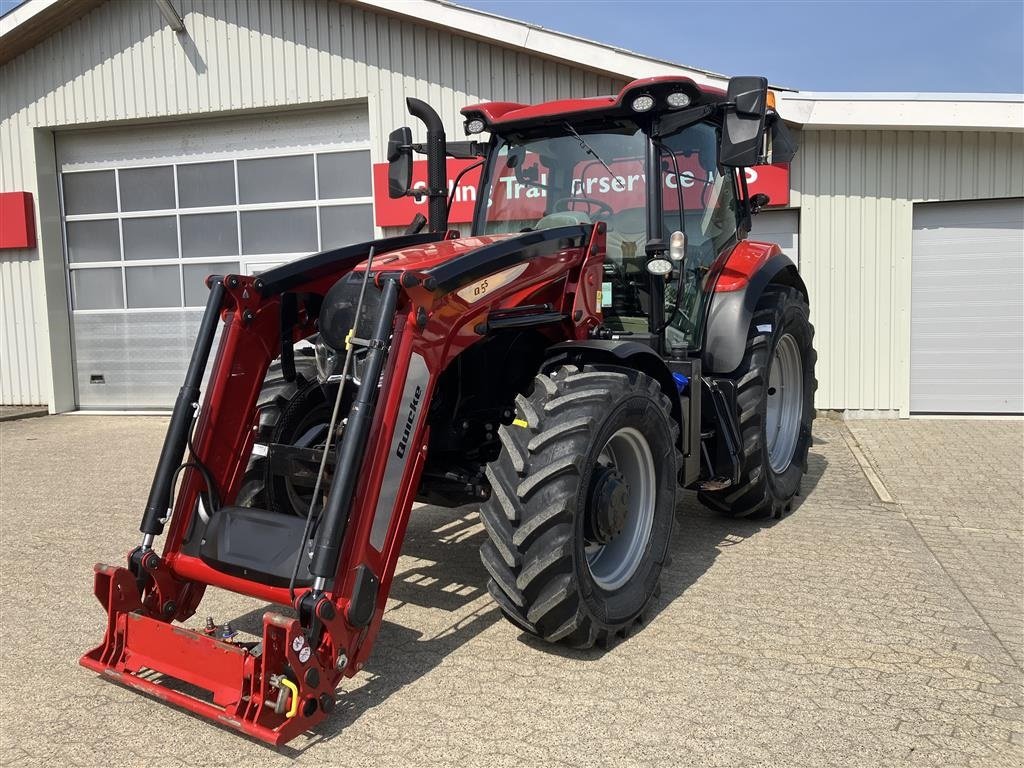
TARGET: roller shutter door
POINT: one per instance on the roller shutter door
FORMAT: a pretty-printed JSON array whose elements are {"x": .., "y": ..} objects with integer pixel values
[
  {"x": 149, "y": 211},
  {"x": 967, "y": 330},
  {"x": 781, "y": 227}
]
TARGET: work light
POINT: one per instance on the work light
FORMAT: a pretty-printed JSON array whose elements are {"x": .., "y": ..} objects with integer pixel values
[
  {"x": 677, "y": 100},
  {"x": 643, "y": 103},
  {"x": 659, "y": 265}
]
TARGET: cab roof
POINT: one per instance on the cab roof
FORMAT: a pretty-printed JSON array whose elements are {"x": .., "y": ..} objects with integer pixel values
[{"x": 508, "y": 114}]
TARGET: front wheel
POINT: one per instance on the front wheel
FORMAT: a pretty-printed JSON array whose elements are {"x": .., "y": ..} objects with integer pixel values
[
  {"x": 775, "y": 388},
  {"x": 295, "y": 413},
  {"x": 582, "y": 504}
]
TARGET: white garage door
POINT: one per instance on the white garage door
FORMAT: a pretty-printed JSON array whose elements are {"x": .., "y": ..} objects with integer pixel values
[
  {"x": 150, "y": 211},
  {"x": 967, "y": 338},
  {"x": 781, "y": 227}
]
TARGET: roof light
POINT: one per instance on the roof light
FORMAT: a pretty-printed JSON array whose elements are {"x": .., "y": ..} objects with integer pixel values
[
  {"x": 475, "y": 125},
  {"x": 643, "y": 103},
  {"x": 678, "y": 100}
]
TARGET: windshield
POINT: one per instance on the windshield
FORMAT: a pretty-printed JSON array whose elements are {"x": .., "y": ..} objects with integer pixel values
[
  {"x": 572, "y": 177},
  {"x": 578, "y": 176}
]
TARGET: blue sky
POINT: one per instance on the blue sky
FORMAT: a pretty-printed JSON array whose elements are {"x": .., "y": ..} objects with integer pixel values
[{"x": 828, "y": 45}]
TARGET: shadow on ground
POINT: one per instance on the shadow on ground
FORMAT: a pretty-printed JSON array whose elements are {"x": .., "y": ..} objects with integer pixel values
[
  {"x": 448, "y": 575},
  {"x": 700, "y": 535}
]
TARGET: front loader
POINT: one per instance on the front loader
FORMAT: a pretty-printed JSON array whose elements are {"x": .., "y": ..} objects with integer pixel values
[{"x": 604, "y": 337}]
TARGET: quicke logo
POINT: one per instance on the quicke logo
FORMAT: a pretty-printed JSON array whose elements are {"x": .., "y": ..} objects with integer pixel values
[{"x": 403, "y": 444}]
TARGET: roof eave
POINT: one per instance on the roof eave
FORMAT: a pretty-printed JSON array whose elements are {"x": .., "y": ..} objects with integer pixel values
[
  {"x": 530, "y": 38},
  {"x": 904, "y": 112}
]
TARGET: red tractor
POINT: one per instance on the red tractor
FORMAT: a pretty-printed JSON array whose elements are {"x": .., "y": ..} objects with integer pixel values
[{"x": 604, "y": 337}]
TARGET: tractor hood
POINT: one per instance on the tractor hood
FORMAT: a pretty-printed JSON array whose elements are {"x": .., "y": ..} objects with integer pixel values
[
  {"x": 439, "y": 266},
  {"x": 447, "y": 264},
  {"x": 422, "y": 258}
]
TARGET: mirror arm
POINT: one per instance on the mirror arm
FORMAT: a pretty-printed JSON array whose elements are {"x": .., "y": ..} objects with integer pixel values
[
  {"x": 674, "y": 122},
  {"x": 466, "y": 150}
]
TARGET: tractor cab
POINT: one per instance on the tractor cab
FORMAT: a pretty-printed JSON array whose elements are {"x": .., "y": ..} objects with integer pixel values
[{"x": 658, "y": 167}]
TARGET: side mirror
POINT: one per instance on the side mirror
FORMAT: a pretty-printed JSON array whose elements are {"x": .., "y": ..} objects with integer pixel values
[
  {"x": 759, "y": 201},
  {"x": 743, "y": 127},
  {"x": 517, "y": 162},
  {"x": 399, "y": 162}
]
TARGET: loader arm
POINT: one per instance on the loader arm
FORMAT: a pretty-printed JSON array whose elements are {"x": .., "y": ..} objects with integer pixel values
[{"x": 286, "y": 684}]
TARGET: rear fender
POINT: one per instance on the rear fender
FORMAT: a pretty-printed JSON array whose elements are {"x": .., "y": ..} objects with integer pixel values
[{"x": 732, "y": 306}]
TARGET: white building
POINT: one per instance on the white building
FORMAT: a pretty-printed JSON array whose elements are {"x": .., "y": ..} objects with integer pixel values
[{"x": 159, "y": 138}]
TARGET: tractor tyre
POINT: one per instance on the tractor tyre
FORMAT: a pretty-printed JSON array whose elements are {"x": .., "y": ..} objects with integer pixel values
[
  {"x": 775, "y": 388},
  {"x": 294, "y": 413},
  {"x": 582, "y": 502}
]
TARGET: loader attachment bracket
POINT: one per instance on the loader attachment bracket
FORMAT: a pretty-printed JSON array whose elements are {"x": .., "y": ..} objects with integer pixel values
[{"x": 238, "y": 685}]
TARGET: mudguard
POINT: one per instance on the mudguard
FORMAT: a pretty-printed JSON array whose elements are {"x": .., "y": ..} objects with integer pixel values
[
  {"x": 736, "y": 296},
  {"x": 631, "y": 354}
]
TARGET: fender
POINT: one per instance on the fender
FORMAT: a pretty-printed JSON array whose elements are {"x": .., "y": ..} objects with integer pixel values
[
  {"x": 630, "y": 354},
  {"x": 748, "y": 270}
]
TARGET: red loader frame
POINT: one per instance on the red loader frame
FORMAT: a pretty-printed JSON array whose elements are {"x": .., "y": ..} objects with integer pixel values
[{"x": 286, "y": 684}]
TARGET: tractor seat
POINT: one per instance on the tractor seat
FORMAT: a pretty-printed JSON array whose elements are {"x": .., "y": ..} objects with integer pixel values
[
  {"x": 256, "y": 544},
  {"x": 627, "y": 237}
]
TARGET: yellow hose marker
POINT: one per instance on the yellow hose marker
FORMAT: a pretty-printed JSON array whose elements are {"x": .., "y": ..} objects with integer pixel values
[
  {"x": 521, "y": 423},
  {"x": 293, "y": 710},
  {"x": 351, "y": 332}
]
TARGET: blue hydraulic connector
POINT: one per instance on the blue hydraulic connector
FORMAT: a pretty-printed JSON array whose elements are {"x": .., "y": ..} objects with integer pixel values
[{"x": 682, "y": 382}]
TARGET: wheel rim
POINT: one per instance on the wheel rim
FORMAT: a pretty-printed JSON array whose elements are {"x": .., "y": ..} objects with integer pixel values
[
  {"x": 614, "y": 561},
  {"x": 785, "y": 403}
]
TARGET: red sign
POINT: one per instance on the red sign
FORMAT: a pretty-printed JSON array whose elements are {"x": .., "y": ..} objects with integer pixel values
[
  {"x": 390, "y": 212},
  {"x": 512, "y": 200},
  {"x": 17, "y": 220},
  {"x": 772, "y": 180}
]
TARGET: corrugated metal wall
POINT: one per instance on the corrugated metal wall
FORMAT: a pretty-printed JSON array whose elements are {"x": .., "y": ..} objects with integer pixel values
[
  {"x": 856, "y": 191},
  {"x": 121, "y": 62}
]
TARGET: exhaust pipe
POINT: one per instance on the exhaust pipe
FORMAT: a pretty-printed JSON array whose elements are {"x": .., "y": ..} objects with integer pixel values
[{"x": 437, "y": 170}]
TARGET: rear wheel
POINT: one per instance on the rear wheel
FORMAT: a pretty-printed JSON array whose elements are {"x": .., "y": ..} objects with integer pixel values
[
  {"x": 775, "y": 387},
  {"x": 582, "y": 504}
]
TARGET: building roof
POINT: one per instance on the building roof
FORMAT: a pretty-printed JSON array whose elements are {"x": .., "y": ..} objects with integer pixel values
[
  {"x": 35, "y": 20},
  {"x": 904, "y": 111},
  {"x": 538, "y": 40}
]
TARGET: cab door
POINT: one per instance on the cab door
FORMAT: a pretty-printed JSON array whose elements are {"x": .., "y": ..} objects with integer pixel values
[{"x": 703, "y": 200}]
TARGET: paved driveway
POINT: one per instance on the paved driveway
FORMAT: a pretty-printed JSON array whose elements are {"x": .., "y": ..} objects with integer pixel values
[{"x": 854, "y": 632}]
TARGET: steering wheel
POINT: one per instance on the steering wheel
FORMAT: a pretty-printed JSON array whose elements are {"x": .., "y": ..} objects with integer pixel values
[{"x": 562, "y": 204}]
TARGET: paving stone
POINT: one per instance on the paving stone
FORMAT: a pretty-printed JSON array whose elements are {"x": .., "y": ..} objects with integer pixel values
[{"x": 851, "y": 633}]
